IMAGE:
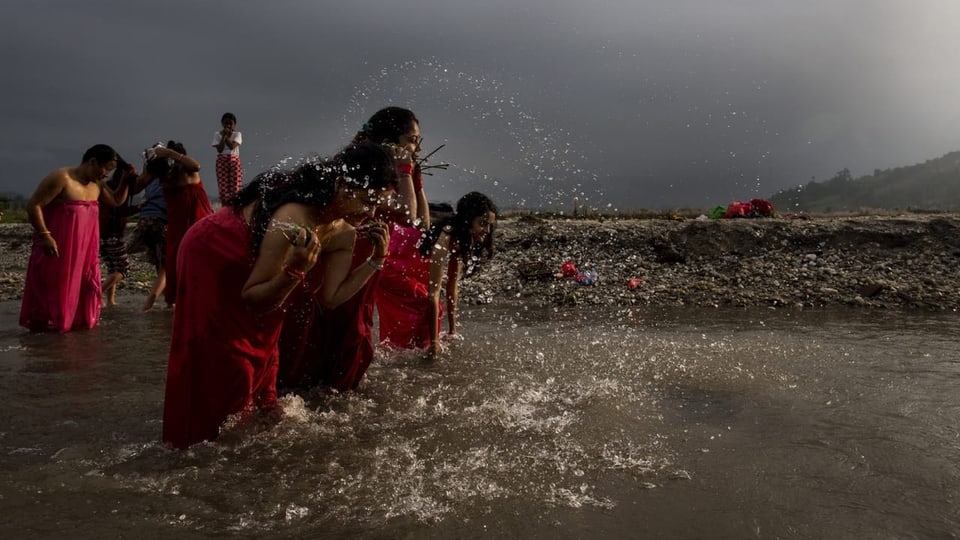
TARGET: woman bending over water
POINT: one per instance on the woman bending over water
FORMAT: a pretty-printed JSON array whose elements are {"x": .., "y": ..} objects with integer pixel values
[
  {"x": 241, "y": 266},
  {"x": 408, "y": 296}
]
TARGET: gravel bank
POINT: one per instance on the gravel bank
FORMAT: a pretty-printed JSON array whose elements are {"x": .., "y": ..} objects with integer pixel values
[{"x": 905, "y": 262}]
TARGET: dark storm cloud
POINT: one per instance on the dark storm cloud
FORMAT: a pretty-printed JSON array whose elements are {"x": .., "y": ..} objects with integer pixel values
[{"x": 631, "y": 104}]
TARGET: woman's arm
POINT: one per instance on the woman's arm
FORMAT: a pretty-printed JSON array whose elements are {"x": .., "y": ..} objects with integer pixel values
[
  {"x": 233, "y": 141},
  {"x": 407, "y": 212},
  {"x": 221, "y": 142},
  {"x": 282, "y": 262},
  {"x": 453, "y": 293},
  {"x": 48, "y": 190},
  {"x": 111, "y": 197},
  {"x": 188, "y": 164},
  {"x": 141, "y": 182},
  {"x": 423, "y": 210},
  {"x": 438, "y": 260},
  {"x": 340, "y": 282},
  {"x": 404, "y": 210}
]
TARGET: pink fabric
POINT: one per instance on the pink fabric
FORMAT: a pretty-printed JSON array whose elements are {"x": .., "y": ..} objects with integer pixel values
[
  {"x": 402, "y": 295},
  {"x": 63, "y": 293},
  {"x": 223, "y": 357}
]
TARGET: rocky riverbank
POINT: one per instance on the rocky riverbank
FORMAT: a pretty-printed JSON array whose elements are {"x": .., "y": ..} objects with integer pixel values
[{"x": 909, "y": 262}]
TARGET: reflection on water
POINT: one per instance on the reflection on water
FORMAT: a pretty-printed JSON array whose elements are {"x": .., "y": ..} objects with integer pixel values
[{"x": 540, "y": 423}]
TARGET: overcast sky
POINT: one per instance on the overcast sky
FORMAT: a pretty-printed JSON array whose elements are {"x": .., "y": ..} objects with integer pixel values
[{"x": 630, "y": 104}]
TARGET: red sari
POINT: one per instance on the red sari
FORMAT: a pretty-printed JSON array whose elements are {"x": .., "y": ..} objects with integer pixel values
[
  {"x": 186, "y": 205},
  {"x": 331, "y": 348},
  {"x": 223, "y": 357},
  {"x": 403, "y": 297},
  {"x": 63, "y": 293}
]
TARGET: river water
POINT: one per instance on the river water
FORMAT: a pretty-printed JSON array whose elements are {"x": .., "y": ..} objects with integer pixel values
[{"x": 540, "y": 423}]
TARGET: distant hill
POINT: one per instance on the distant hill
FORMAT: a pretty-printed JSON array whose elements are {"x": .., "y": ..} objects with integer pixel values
[
  {"x": 11, "y": 196},
  {"x": 12, "y": 200},
  {"x": 933, "y": 185}
]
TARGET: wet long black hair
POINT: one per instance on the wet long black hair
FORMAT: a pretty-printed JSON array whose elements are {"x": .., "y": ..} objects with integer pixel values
[
  {"x": 387, "y": 126},
  {"x": 314, "y": 183},
  {"x": 125, "y": 172},
  {"x": 469, "y": 207}
]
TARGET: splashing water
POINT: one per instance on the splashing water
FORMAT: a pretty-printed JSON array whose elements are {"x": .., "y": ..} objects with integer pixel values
[
  {"x": 286, "y": 226},
  {"x": 538, "y": 423},
  {"x": 514, "y": 156}
]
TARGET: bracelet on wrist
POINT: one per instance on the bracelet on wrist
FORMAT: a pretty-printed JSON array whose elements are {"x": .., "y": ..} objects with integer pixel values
[
  {"x": 299, "y": 275},
  {"x": 41, "y": 233},
  {"x": 376, "y": 266},
  {"x": 405, "y": 168}
]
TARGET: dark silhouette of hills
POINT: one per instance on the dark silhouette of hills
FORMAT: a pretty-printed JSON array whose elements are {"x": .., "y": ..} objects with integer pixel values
[{"x": 932, "y": 185}]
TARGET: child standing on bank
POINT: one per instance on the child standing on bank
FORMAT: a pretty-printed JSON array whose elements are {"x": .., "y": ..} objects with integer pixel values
[{"x": 229, "y": 169}]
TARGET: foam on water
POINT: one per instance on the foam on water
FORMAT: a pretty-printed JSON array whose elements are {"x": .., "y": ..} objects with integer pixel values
[{"x": 412, "y": 445}]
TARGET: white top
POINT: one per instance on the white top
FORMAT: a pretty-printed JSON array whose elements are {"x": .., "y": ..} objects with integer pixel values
[{"x": 235, "y": 137}]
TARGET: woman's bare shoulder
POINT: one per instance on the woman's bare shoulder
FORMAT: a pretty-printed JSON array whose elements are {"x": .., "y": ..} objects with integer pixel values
[{"x": 340, "y": 236}]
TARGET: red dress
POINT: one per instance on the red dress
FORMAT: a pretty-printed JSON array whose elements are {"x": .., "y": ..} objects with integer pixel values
[
  {"x": 403, "y": 297},
  {"x": 186, "y": 205},
  {"x": 63, "y": 293},
  {"x": 332, "y": 348},
  {"x": 223, "y": 357}
]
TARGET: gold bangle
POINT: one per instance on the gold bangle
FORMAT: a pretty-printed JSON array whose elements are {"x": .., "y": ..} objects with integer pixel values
[
  {"x": 45, "y": 232},
  {"x": 376, "y": 267}
]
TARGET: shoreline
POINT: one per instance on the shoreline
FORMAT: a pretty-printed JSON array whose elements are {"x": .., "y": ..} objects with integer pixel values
[{"x": 910, "y": 261}]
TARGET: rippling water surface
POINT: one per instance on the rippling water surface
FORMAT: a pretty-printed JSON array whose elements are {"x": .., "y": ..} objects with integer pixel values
[{"x": 539, "y": 424}]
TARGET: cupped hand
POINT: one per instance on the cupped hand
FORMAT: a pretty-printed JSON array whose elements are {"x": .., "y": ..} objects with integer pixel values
[
  {"x": 379, "y": 235},
  {"x": 400, "y": 154},
  {"x": 304, "y": 252}
]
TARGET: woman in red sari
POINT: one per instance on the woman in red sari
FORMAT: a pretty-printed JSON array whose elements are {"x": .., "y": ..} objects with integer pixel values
[
  {"x": 187, "y": 201},
  {"x": 333, "y": 348},
  {"x": 241, "y": 267},
  {"x": 408, "y": 295}
]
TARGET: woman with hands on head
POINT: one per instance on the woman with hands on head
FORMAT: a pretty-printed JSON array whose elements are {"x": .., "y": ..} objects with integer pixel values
[
  {"x": 113, "y": 226},
  {"x": 186, "y": 199},
  {"x": 285, "y": 234}
]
